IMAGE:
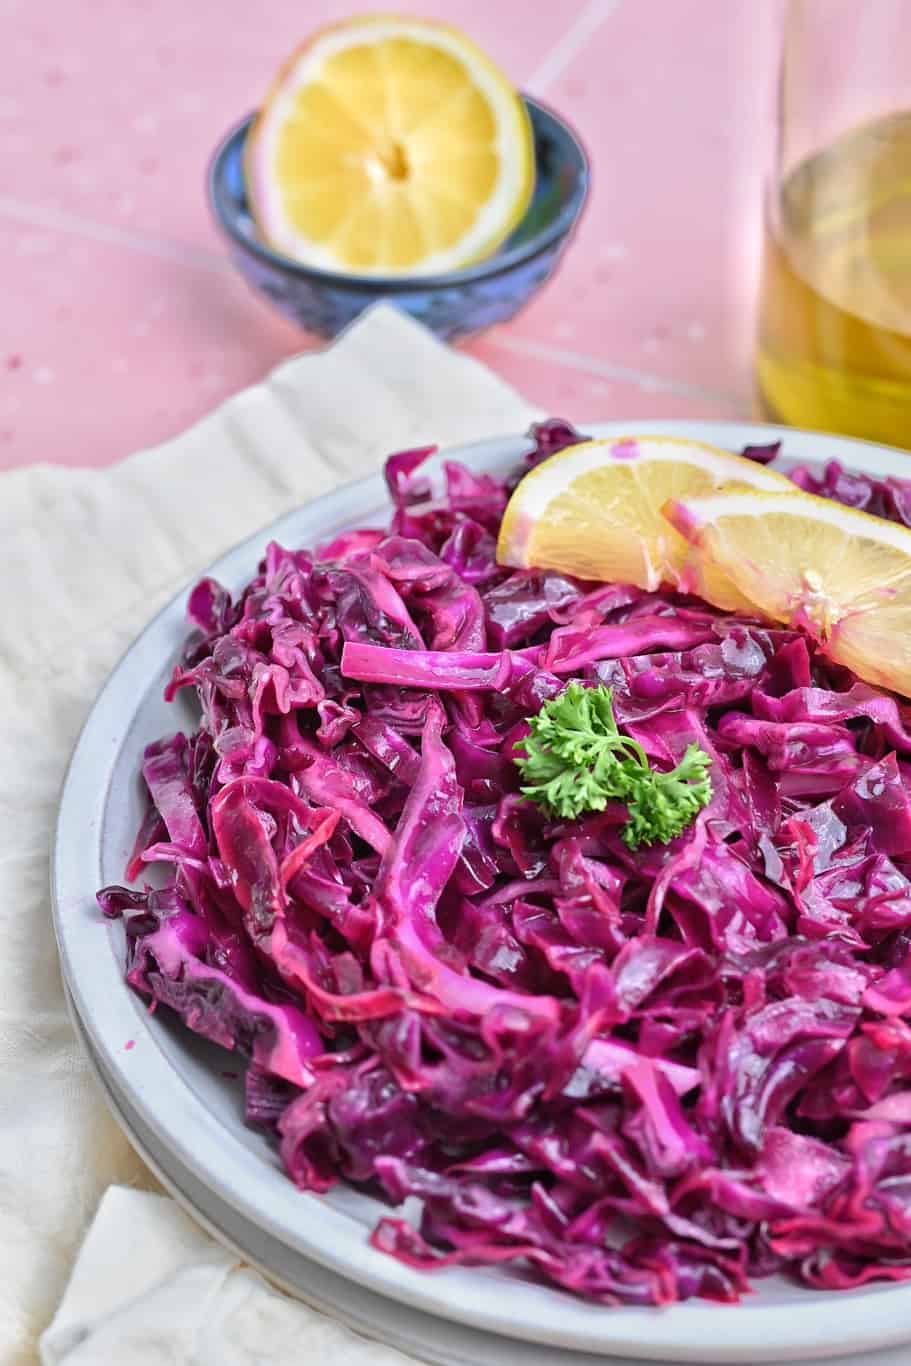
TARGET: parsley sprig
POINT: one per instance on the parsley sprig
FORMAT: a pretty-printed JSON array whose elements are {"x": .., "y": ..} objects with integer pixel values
[{"x": 575, "y": 760}]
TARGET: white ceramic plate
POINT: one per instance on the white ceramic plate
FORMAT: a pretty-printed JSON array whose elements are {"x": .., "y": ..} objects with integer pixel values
[
  {"x": 180, "y": 1087},
  {"x": 438, "y": 1342}
]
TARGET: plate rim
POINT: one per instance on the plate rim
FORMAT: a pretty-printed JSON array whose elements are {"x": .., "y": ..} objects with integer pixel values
[{"x": 175, "y": 1114}]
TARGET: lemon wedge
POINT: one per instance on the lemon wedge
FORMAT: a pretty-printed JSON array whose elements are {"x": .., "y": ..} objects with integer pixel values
[
  {"x": 594, "y": 510},
  {"x": 840, "y": 574},
  {"x": 389, "y": 146}
]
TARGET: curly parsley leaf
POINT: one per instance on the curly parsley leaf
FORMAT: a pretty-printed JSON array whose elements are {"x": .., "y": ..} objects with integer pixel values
[{"x": 576, "y": 759}]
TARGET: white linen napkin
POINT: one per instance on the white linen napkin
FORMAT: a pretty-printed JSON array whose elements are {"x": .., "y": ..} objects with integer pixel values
[
  {"x": 86, "y": 558},
  {"x": 150, "y": 1288}
]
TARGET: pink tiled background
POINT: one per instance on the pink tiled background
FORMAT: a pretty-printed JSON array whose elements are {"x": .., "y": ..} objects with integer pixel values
[{"x": 122, "y": 320}]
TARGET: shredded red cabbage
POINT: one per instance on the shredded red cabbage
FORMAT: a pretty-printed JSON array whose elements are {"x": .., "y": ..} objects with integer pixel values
[
  {"x": 889, "y": 497},
  {"x": 643, "y": 1075}
]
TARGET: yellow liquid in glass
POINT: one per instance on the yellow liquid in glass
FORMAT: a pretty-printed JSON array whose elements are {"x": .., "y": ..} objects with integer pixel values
[{"x": 835, "y": 307}]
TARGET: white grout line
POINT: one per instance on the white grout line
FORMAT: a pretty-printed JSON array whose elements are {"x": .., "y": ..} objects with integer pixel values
[
  {"x": 586, "y": 23},
  {"x": 183, "y": 254},
  {"x": 592, "y": 365},
  {"x": 199, "y": 258}
]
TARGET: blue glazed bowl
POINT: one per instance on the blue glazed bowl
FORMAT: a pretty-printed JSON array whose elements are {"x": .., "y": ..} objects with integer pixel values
[{"x": 452, "y": 305}]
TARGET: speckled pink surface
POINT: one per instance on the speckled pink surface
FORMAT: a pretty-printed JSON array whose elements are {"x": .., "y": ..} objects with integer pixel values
[{"x": 122, "y": 320}]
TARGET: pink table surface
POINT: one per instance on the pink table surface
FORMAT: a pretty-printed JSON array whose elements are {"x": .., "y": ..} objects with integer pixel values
[{"x": 122, "y": 321}]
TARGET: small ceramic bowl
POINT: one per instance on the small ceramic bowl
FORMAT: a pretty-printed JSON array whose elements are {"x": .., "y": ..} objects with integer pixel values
[{"x": 452, "y": 305}]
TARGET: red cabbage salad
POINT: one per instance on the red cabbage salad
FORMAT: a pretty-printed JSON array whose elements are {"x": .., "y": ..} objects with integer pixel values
[{"x": 641, "y": 1066}]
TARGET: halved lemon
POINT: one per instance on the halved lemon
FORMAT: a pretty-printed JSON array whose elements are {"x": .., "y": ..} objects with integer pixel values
[
  {"x": 840, "y": 574},
  {"x": 390, "y": 146},
  {"x": 594, "y": 510}
]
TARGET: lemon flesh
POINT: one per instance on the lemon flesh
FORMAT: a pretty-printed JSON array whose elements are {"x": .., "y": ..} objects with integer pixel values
[
  {"x": 390, "y": 147},
  {"x": 594, "y": 509},
  {"x": 838, "y": 573}
]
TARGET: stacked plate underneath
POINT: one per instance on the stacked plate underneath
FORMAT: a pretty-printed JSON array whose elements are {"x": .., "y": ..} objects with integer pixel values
[{"x": 180, "y": 1100}]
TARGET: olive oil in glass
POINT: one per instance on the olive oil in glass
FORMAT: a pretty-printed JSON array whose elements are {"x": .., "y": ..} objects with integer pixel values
[{"x": 834, "y": 348}]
